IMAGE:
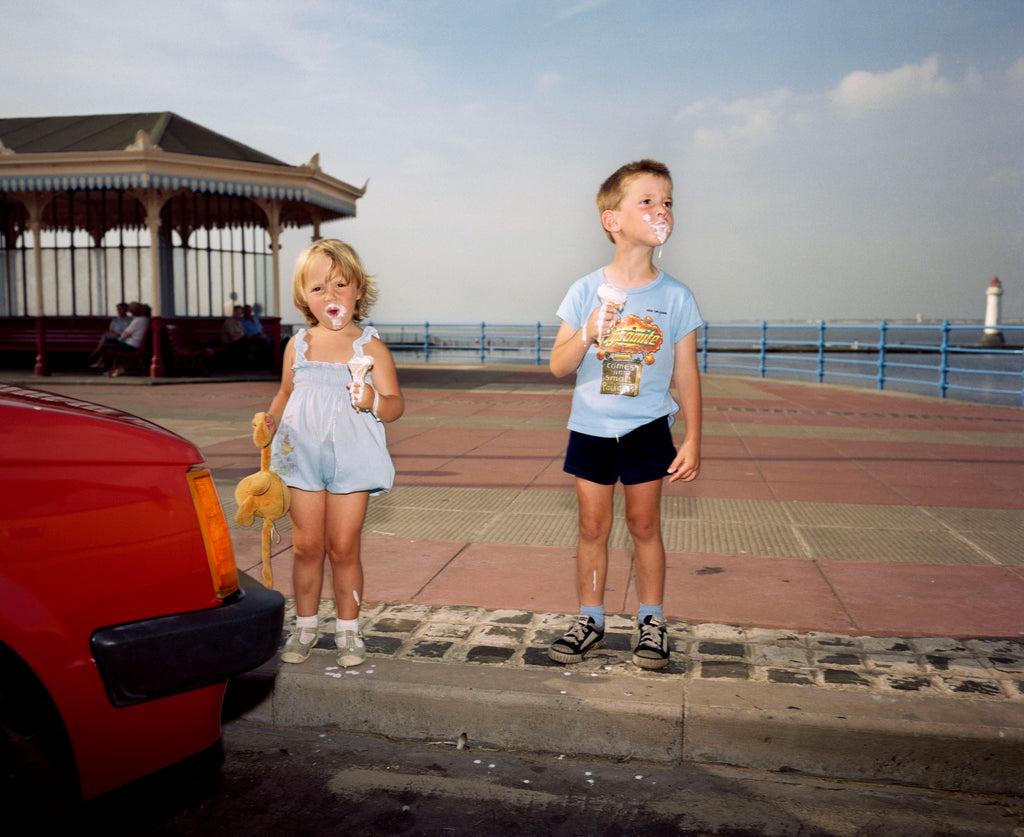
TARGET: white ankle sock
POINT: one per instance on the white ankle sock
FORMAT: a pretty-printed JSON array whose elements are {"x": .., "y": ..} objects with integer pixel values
[
  {"x": 341, "y": 625},
  {"x": 307, "y": 626}
]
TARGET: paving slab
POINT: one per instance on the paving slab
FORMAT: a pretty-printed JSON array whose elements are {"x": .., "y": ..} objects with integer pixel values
[{"x": 844, "y": 587}]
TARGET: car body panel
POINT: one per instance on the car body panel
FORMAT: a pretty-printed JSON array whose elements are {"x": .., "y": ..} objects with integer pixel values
[{"x": 102, "y": 554}]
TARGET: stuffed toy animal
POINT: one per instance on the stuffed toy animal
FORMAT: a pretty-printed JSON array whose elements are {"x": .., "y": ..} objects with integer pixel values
[{"x": 262, "y": 494}]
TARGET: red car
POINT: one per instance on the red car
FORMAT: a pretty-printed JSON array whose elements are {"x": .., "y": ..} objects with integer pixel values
[{"x": 122, "y": 614}]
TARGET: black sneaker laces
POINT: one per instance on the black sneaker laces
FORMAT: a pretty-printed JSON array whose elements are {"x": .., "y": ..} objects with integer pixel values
[
  {"x": 579, "y": 630},
  {"x": 650, "y": 636}
]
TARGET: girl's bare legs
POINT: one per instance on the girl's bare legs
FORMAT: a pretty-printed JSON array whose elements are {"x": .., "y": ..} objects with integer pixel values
[
  {"x": 308, "y": 513},
  {"x": 327, "y": 525},
  {"x": 343, "y": 527},
  {"x": 595, "y": 524},
  {"x": 643, "y": 518}
]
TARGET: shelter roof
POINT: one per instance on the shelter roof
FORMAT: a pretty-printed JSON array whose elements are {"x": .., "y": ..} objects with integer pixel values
[
  {"x": 161, "y": 150},
  {"x": 115, "y": 132}
]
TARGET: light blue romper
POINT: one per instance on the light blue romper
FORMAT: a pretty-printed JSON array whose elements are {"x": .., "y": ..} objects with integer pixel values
[{"x": 323, "y": 441}]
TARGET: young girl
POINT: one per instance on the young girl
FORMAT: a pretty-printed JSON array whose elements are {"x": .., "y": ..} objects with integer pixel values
[{"x": 329, "y": 444}]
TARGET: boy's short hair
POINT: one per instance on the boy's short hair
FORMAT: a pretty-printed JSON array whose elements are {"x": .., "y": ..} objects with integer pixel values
[
  {"x": 613, "y": 190},
  {"x": 345, "y": 259}
]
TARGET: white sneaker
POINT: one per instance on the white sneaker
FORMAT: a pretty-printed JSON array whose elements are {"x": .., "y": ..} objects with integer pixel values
[
  {"x": 295, "y": 650},
  {"x": 351, "y": 649}
]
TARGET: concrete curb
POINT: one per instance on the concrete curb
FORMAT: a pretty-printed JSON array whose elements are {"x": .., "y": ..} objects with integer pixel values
[
  {"x": 946, "y": 744},
  {"x": 936, "y": 713},
  {"x": 494, "y": 708},
  {"x": 967, "y": 746}
]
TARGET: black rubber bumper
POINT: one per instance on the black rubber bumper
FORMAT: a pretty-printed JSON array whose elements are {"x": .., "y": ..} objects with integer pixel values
[{"x": 167, "y": 655}]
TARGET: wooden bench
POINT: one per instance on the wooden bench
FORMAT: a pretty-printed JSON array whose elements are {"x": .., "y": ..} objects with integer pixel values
[
  {"x": 194, "y": 343},
  {"x": 197, "y": 344},
  {"x": 187, "y": 343},
  {"x": 44, "y": 337},
  {"x": 19, "y": 334},
  {"x": 140, "y": 359}
]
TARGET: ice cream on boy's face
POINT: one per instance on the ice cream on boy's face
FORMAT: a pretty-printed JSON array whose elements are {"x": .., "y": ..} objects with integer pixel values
[{"x": 661, "y": 227}]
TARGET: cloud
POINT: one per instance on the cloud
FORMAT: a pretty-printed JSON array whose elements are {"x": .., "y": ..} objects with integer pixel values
[
  {"x": 743, "y": 124},
  {"x": 1016, "y": 75},
  {"x": 548, "y": 81},
  {"x": 578, "y": 9},
  {"x": 1006, "y": 178},
  {"x": 863, "y": 91}
]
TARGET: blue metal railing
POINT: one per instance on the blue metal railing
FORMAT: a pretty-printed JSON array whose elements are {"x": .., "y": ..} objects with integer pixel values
[
  {"x": 944, "y": 359},
  {"x": 950, "y": 360},
  {"x": 471, "y": 342}
]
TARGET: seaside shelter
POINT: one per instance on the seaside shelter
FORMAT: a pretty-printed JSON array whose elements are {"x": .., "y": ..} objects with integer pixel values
[{"x": 146, "y": 207}]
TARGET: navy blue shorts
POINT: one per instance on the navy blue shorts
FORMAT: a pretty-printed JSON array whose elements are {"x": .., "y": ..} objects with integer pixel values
[{"x": 642, "y": 455}]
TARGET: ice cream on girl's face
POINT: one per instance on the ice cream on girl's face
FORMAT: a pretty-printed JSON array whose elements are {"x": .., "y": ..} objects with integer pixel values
[
  {"x": 336, "y": 314},
  {"x": 330, "y": 295}
]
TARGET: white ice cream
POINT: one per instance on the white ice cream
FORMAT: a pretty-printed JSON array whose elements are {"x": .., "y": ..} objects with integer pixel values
[
  {"x": 611, "y": 295},
  {"x": 660, "y": 228},
  {"x": 359, "y": 366},
  {"x": 335, "y": 313},
  {"x": 612, "y": 301}
]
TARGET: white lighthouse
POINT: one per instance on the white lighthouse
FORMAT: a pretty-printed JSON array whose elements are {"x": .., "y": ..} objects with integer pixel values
[{"x": 992, "y": 336}]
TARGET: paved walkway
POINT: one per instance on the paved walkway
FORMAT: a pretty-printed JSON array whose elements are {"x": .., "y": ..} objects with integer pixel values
[
  {"x": 840, "y": 542},
  {"x": 818, "y": 508}
]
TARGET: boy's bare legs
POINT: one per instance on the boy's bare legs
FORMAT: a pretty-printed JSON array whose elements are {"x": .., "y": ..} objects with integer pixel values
[
  {"x": 643, "y": 519},
  {"x": 595, "y": 524}
]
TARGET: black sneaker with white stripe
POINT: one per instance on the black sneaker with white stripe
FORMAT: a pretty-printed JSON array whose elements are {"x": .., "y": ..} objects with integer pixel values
[
  {"x": 651, "y": 650},
  {"x": 582, "y": 638}
]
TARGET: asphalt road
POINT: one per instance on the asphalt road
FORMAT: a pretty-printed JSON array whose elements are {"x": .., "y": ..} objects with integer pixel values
[{"x": 288, "y": 782}]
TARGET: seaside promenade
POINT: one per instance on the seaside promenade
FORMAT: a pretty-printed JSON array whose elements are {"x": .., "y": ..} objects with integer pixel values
[{"x": 845, "y": 579}]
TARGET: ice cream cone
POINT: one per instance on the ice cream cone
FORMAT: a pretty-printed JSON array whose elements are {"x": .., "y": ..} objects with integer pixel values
[
  {"x": 614, "y": 299},
  {"x": 359, "y": 366}
]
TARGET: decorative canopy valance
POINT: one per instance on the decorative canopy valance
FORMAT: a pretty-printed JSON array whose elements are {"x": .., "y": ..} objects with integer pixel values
[
  {"x": 160, "y": 151},
  {"x": 194, "y": 200}
]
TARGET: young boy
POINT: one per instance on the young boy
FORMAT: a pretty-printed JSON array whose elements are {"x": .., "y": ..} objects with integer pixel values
[{"x": 626, "y": 356}]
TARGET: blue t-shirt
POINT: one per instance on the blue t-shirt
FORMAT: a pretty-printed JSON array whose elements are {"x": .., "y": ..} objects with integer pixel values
[{"x": 624, "y": 383}]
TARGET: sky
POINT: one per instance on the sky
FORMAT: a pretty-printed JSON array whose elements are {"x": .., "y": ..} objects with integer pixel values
[{"x": 843, "y": 160}]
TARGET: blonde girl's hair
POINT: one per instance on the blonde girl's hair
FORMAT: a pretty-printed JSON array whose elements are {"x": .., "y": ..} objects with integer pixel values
[
  {"x": 613, "y": 190},
  {"x": 345, "y": 260}
]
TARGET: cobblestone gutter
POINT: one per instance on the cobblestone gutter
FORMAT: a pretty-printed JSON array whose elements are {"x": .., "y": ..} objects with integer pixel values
[{"x": 975, "y": 669}]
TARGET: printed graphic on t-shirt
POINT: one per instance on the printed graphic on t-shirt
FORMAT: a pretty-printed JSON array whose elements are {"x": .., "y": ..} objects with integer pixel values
[{"x": 629, "y": 347}]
